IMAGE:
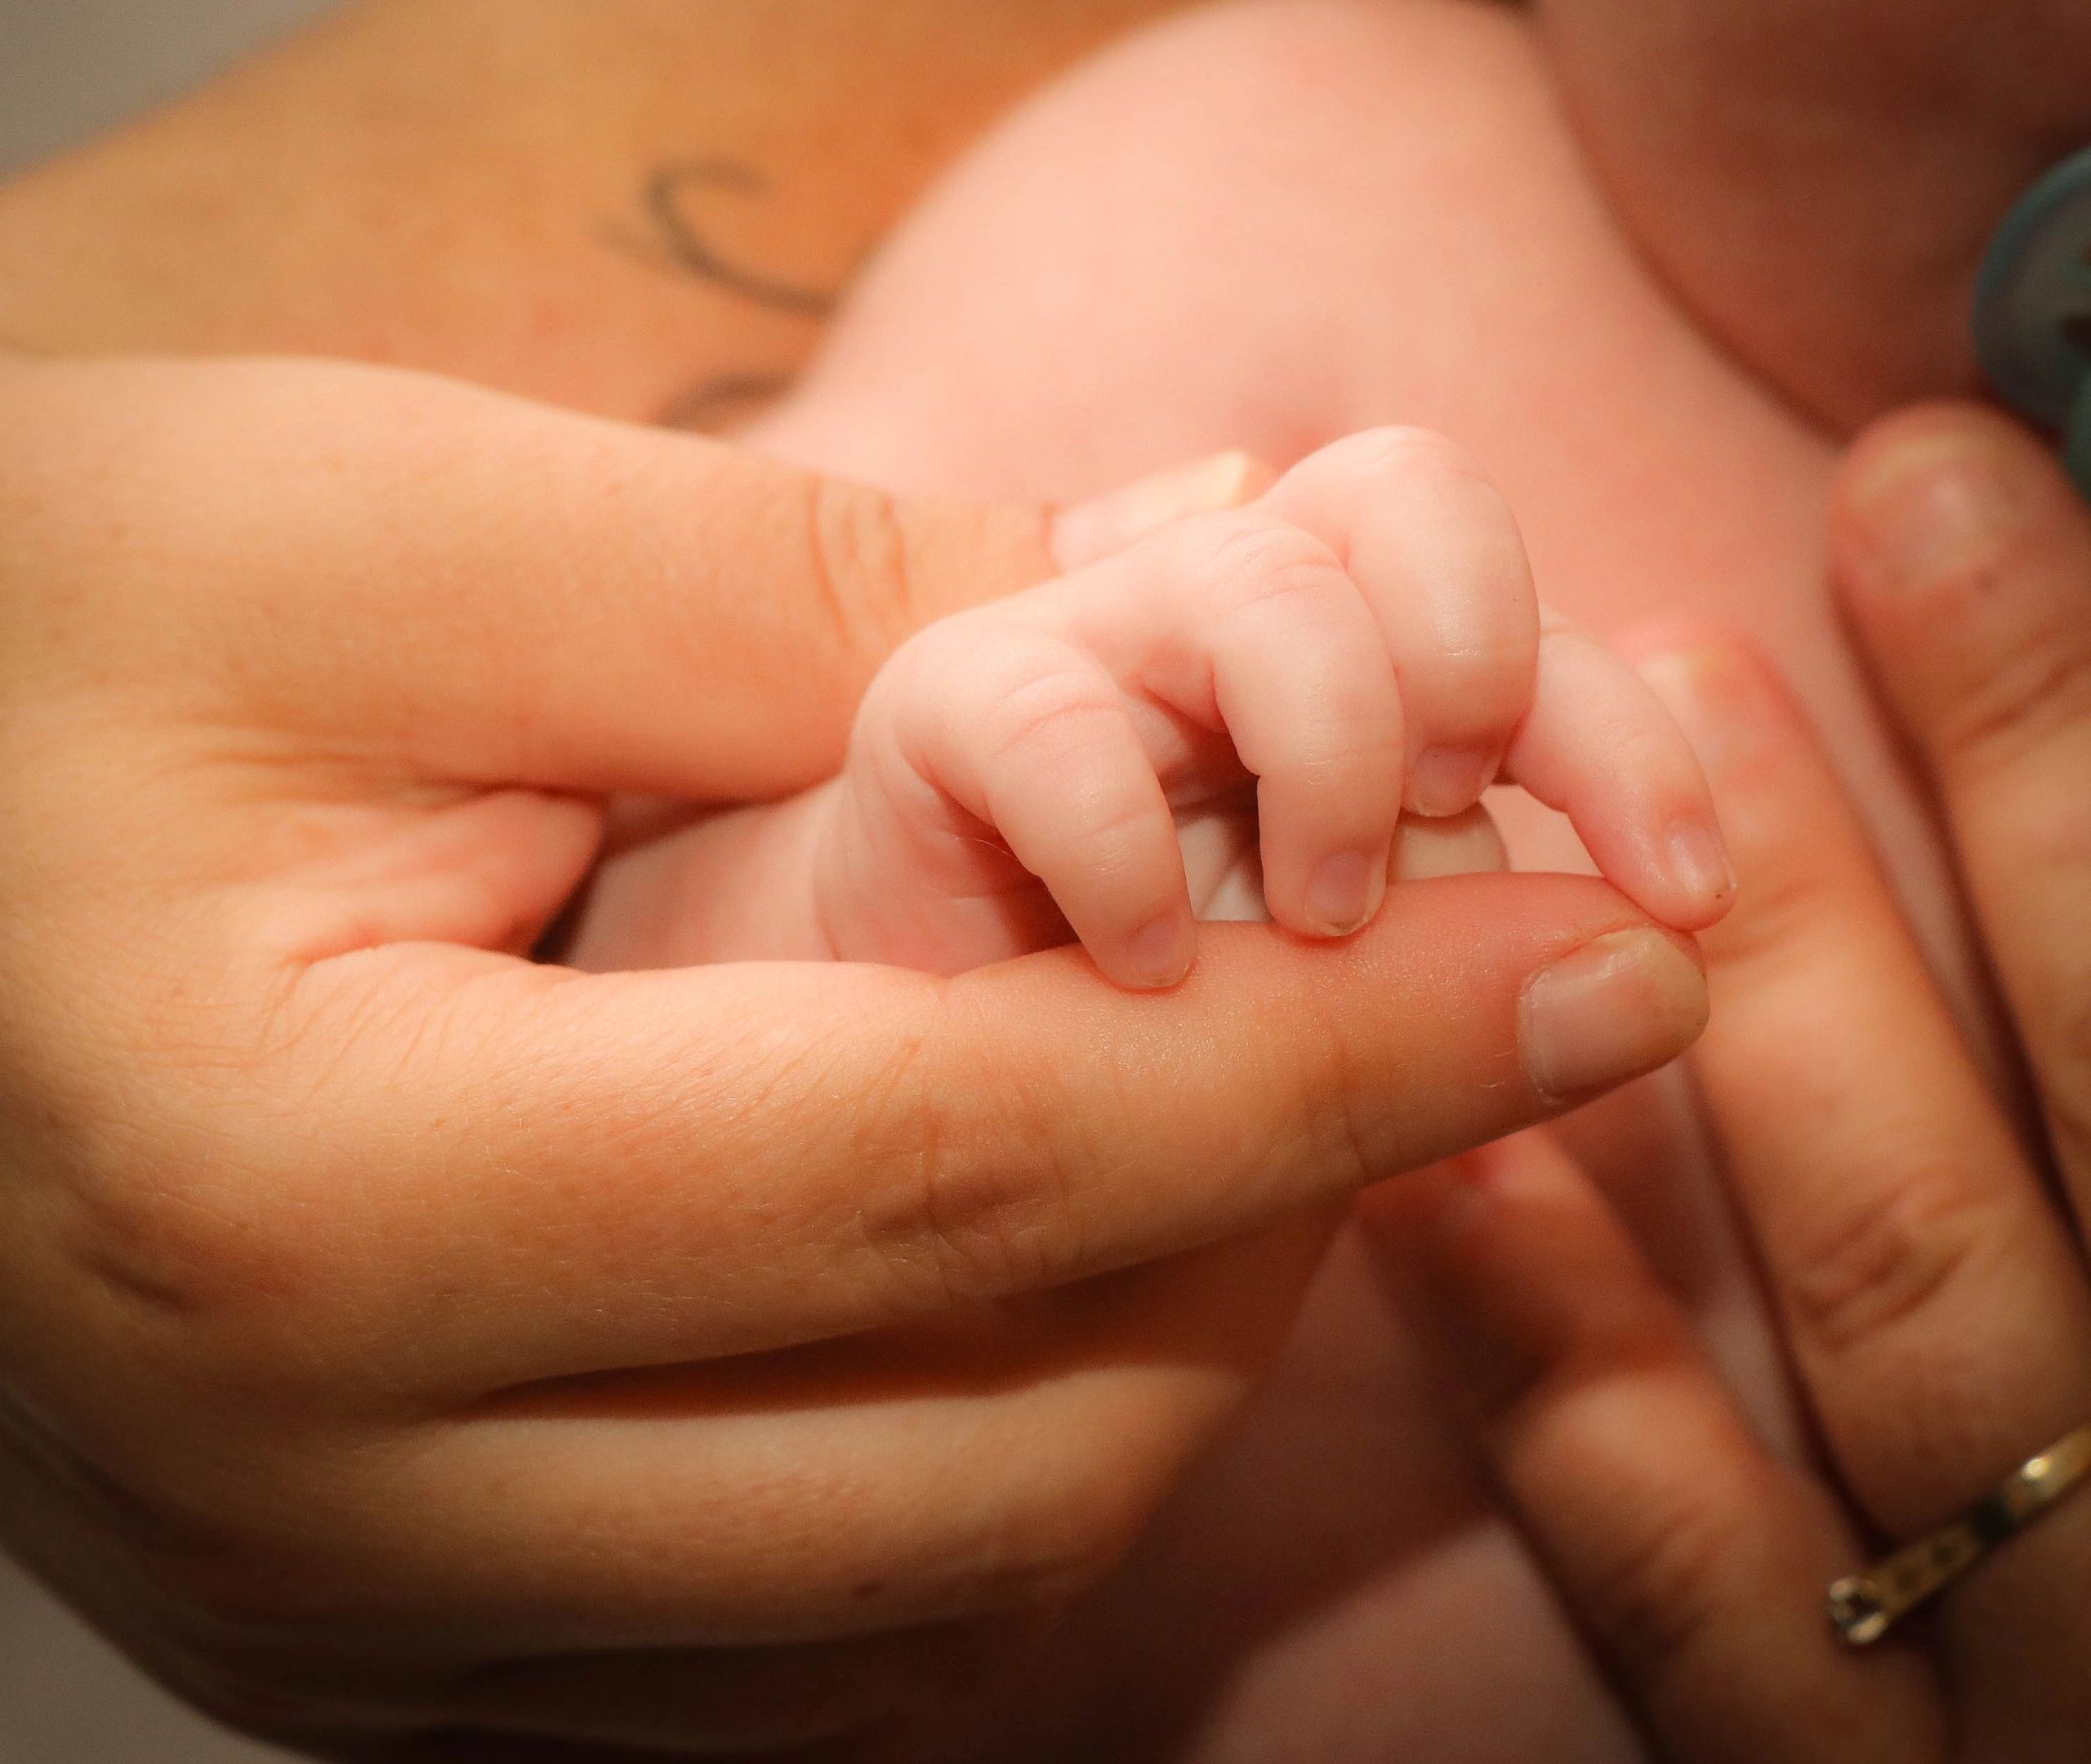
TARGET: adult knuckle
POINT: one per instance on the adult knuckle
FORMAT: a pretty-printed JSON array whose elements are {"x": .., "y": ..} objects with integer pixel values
[
  {"x": 1614, "y": 1345},
  {"x": 187, "y": 1243},
  {"x": 2018, "y": 694},
  {"x": 203, "y": 1257},
  {"x": 987, "y": 1222},
  {"x": 1346, "y": 1125},
  {"x": 1652, "y": 1597},
  {"x": 864, "y": 572},
  {"x": 1884, "y": 1263},
  {"x": 969, "y": 1202}
]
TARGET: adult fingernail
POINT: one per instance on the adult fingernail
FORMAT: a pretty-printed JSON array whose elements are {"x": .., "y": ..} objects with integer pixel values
[
  {"x": 1095, "y": 530},
  {"x": 1931, "y": 508},
  {"x": 1345, "y": 892},
  {"x": 1449, "y": 780},
  {"x": 1618, "y": 1007},
  {"x": 1159, "y": 955}
]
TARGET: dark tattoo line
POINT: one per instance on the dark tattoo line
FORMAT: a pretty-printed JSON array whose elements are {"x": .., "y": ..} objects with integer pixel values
[{"x": 674, "y": 236}]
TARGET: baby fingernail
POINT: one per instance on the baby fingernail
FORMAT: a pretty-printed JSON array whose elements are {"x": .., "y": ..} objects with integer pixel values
[
  {"x": 1618, "y": 1007},
  {"x": 1159, "y": 955},
  {"x": 1449, "y": 780},
  {"x": 1099, "y": 529},
  {"x": 1699, "y": 859},
  {"x": 1345, "y": 893}
]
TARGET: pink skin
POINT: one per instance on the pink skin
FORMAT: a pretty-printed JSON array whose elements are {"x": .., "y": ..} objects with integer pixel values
[
  {"x": 1361, "y": 640},
  {"x": 1374, "y": 609},
  {"x": 1268, "y": 226}
]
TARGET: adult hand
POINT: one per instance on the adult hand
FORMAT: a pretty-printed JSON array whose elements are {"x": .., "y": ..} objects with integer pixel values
[
  {"x": 402, "y": 1344},
  {"x": 1929, "y": 1281},
  {"x": 1820, "y": 178}
]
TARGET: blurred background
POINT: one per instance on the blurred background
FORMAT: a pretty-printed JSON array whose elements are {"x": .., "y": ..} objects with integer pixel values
[{"x": 68, "y": 70}]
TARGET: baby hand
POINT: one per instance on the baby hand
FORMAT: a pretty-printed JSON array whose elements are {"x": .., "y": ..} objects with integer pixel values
[{"x": 1362, "y": 640}]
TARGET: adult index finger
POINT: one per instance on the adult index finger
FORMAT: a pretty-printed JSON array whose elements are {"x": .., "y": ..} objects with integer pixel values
[
  {"x": 1964, "y": 558},
  {"x": 495, "y": 1174},
  {"x": 431, "y": 578}
]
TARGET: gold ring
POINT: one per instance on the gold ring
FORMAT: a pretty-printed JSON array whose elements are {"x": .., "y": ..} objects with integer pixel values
[{"x": 1864, "y": 1607}]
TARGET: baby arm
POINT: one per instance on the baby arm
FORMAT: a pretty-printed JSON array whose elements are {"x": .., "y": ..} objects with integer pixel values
[{"x": 1361, "y": 642}]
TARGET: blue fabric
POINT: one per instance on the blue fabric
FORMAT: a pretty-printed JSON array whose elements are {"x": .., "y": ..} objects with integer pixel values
[{"x": 2033, "y": 309}]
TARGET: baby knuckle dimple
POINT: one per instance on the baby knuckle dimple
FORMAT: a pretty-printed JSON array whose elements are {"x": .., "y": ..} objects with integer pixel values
[
  {"x": 1494, "y": 657},
  {"x": 1232, "y": 568},
  {"x": 1118, "y": 831},
  {"x": 1054, "y": 708},
  {"x": 1484, "y": 660}
]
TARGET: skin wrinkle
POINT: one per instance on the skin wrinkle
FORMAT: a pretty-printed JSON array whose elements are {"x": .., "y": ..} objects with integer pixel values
[
  {"x": 1707, "y": 389},
  {"x": 1888, "y": 1264},
  {"x": 502, "y": 1168}
]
